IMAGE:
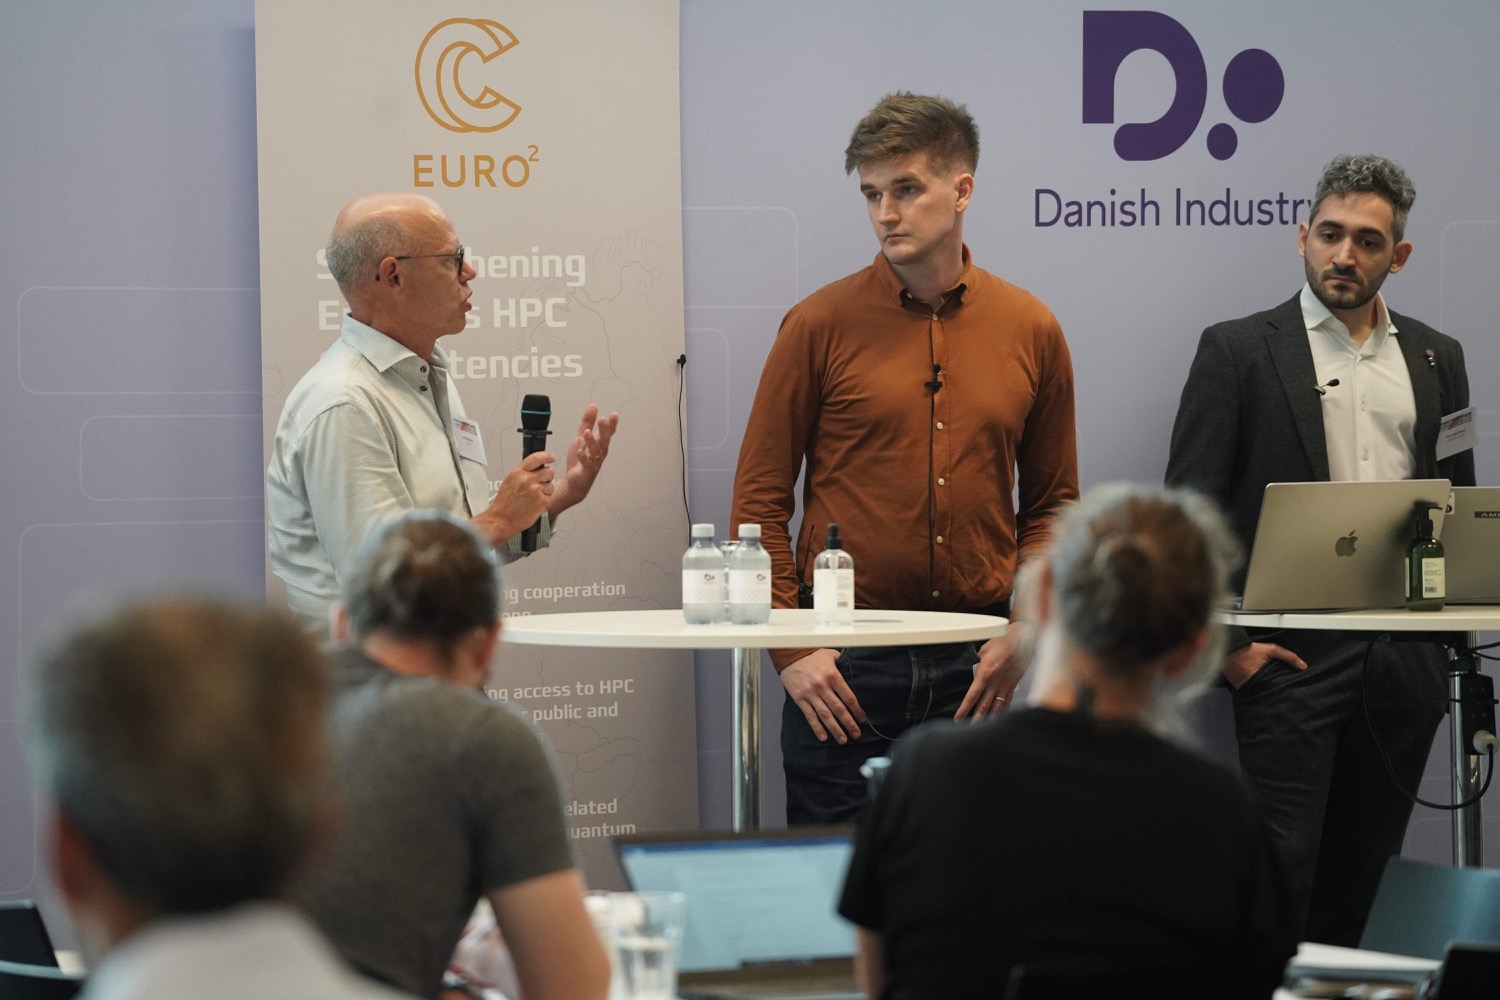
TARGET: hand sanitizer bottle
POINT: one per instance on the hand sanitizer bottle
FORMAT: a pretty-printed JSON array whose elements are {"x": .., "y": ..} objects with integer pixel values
[
  {"x": 1426, "y": 578},
  {"x": 833, "y": 583}
]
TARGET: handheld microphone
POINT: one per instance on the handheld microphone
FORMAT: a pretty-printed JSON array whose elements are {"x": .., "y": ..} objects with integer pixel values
[
  {"x": 935, "y": 383},
  {"x": 1323, "y": 389},
  {"x": 536, "y": 414}
]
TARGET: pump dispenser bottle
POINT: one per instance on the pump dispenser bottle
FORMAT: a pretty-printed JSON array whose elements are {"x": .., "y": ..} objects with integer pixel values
[
  {"x": 1426, "y": 584},
  {"x": 833, "y": 583}
]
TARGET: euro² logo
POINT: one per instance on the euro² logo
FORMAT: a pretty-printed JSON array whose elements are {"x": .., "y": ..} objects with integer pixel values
[
  {"x": 441, "y": 58},
  {"x": 1253, "y": 84}
]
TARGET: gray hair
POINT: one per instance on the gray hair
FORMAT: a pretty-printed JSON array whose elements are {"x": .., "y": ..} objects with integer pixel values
[
  {"x": 185, "y": 742},
  {"x": 904, "y": 123},
  {"x": 1137, "y": 572},
  {"x": 355, "y": 254},
  {"x": 1367, "y": 173},
  {"x": 424, "y": 575}
]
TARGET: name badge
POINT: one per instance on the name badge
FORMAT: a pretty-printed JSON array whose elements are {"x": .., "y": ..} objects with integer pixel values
[
  {"x": 1457, "y": 433},
  {"x": 470, "y": 444}
]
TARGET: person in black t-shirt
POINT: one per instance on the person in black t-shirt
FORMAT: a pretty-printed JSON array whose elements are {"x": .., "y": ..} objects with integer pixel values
[{"x": 1069, "y": 834}]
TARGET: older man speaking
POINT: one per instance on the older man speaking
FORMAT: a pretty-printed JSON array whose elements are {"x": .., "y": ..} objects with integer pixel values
[{"x": 376, "y": 427}]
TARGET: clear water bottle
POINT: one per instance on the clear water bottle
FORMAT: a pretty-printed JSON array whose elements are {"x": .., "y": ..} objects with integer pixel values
[
  {"x": 703, "y": 579},
  {"x": 833, "y": 583},
  {"x": 750, "y": 579}
]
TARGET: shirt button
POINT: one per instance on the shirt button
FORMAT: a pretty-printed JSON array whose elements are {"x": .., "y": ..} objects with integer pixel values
[
  {"x": 940, "y": 425},
  {"x": 942, "y": 481},
  {"x": 1362, "y": 404},
  {"x": 423, "y": 369},
  {"x": 937, "y": 593},
  {"x": 940, "y": 539},
  {"x": 1365, "y": 454},
  {"x": 421, "y": 388}
]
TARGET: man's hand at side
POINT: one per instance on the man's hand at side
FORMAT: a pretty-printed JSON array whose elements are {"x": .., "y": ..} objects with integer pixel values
[
  {"x": 1247, "y": 661},
  {"x": 815, "y": 684},
  {"x": 523, "y": 497},
  {"x": 1002, "y": 662}
]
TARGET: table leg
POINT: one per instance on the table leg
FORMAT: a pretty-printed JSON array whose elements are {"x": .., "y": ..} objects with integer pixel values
[
  {"x": 1468, "y": 822},
  {"x": 745, "y": 801}
]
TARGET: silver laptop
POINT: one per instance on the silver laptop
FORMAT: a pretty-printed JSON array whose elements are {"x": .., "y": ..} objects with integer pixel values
[
  {"x": 761, "y": 920},
  {"x": 1335, "y": 546},
  {"x": 1470, "y": 534}
]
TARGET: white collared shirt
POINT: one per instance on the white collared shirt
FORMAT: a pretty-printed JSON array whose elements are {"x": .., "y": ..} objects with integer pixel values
[
  {"x": 1370, "y": 417},
  {"x": 365, "y": 435},
  {"x": 252, "y": 951}
]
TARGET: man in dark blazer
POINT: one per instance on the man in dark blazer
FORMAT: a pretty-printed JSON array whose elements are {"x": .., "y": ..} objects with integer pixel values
[{"x": 1260, "y": 406}]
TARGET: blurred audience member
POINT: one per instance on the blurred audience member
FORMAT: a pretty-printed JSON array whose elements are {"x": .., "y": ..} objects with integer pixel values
[
  {"x": 1071, "y": 834},
  {"x": 450, "y": 796},
  {"x": 181, "y": 750}
]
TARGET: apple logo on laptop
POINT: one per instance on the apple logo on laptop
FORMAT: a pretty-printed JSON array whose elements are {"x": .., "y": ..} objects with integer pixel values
[{"x": 1345, "y": 546}]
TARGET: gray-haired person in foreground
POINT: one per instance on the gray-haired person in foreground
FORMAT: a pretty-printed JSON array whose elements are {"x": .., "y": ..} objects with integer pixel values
[
  {"x": 1068, "y": 835},
  {"x": 180, "y": 750},
  {"x": 449, "y": 795}
]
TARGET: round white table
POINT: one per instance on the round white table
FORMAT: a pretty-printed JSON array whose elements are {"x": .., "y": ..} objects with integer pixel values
[
  {"x": 787, "y": 629},
  {"x": 1468, "y": 822}
]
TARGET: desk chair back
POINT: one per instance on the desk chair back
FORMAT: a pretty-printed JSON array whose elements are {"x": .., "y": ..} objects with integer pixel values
[
  {"x": 19, "y": 981},
  {"x": 1469, "y": 972},
  {"x": 23, "y": 936},
  {"x": 1420, "y": 908}
]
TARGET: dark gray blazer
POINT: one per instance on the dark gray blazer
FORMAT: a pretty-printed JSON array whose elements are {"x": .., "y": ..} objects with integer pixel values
[{"x": 1251, "y": 414}]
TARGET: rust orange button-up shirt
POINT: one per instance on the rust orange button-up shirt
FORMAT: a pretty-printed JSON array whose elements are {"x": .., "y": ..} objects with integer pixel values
[{"x": 936, "y": 494}]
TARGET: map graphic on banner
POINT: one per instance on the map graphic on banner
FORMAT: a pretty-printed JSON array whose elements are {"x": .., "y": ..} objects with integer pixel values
[{"x": 549, "y": 133}]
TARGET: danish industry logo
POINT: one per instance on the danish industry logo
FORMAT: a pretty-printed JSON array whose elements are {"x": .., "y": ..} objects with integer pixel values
[
  {"x": 1253, "y": 84},
  {"x": 1253, "y": 87}
]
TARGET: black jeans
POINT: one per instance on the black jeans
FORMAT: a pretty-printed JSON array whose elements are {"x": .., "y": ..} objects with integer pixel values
[
  {"x": 899, "y": 687},
  {"x": 1331, "y": 810}
]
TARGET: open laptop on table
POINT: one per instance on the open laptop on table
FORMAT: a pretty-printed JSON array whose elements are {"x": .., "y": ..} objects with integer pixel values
[
  {"x": 1470, "y": 534},
  {"x": 1335, "y": 546},
  {"x": 760, "y": 919}
]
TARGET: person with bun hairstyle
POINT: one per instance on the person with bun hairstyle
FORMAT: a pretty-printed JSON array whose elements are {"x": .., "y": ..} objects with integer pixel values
[
  {"x": 448, "y": 795},
  {"x": 1071, "y": 833}
]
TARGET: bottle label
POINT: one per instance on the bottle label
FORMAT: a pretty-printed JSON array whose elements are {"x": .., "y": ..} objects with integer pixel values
[
  {"x": 1434, "y": 578},
  {"x": 702, "y": 586},
  {"x": 750, "y": 586},
  {"x": 833, "y": 591}
]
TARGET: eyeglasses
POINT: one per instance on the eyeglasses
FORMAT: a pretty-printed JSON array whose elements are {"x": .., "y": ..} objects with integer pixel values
[{"x": 457, "y": 257}]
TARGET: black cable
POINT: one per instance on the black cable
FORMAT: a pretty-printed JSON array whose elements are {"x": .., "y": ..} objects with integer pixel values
[
  {"x": 1364, "y": 688},
  {"x": 682, "y": 436}
]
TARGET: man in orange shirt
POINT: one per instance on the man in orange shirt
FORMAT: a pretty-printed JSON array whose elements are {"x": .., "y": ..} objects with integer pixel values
[{"x": 931, "y": 404}]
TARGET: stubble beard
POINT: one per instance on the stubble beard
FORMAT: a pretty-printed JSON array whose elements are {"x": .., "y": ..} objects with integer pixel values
[{"x": 1358, "y": 296}]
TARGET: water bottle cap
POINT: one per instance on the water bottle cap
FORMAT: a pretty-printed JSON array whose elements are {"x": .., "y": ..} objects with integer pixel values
[
  {"x": 749, "y": 531},
  {"x": 703, "y": 531}
]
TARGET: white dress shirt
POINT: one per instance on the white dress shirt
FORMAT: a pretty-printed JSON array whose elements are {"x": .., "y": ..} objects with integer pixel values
[
  {"x": 365, "y": 435},
  {"x": 1370, "y": 417},
  {"x": 258, "y": 950}
]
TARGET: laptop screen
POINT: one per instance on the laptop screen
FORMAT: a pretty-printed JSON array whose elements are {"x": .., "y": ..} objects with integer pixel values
[{"x": 752, "y": 899}]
